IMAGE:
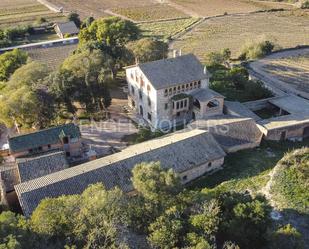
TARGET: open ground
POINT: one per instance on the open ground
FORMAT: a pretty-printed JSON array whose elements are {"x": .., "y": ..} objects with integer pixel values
[
  {"x": 21, "y": 12},
  {"x": 207, "y": 8},
  {"x": 285, "y": 28},
  {"x": 288, "y": 70}
]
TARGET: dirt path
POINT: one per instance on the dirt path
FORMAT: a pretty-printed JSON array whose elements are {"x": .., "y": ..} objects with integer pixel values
[{"x": 257, "y": 68}]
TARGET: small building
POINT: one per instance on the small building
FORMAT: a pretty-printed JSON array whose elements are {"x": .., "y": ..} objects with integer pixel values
[
  {"x": 171, "y": 92},
  {"x": 190, "y": 154},
  {"x": 231, "y": 132},
  {"x": 64, "y": 137},
  {"x": 279, "y": 118},
  {"x": 66, "y": 29}
]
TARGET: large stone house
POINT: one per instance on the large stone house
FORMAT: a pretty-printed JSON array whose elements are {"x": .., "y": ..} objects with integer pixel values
[{"x": 171, "y": 92}]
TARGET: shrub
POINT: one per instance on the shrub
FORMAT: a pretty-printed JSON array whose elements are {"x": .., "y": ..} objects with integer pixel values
[
  {"x": 286, "y": 237},
  {"x": 256, "y": 49},
  {"x": 305, "y": 5}
]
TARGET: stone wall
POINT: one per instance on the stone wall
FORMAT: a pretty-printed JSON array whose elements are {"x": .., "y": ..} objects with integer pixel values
[{"x": 198, "y": 171}]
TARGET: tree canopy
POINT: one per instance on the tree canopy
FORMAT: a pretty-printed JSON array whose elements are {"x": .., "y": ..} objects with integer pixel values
[
  {"x": 10, "y": 61},
  {"x": 25, "y": 99},
  {"x": 110, "y": 35},
  {"x": 147, "y": 49}
]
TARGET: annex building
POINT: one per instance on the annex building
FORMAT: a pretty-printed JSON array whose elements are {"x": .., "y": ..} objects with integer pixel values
[{"x": 190, "y": 154}]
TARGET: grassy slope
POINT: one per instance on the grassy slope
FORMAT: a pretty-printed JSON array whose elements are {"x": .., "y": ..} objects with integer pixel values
[
  {"x": 291, "y": 181},
  {"x": 248, "y": 169}
]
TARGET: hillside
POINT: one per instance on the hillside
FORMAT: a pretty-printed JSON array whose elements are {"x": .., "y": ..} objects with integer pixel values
[{"x": 290, "y": 181}]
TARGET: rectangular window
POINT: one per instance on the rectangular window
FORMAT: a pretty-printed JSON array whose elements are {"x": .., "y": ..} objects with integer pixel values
[
  {"x": 181, "y": 104},
  {"x": 132, "y": 90},
  {"x": 185, "y": 103},
  {"x": 166, "y": 106},
  {"x": 140, "y": 94},
  {"x": 199, "y": 84},
  {"x": 177, "y": 105},
  {"x": 149, "y": 102},
  {"x": 149, "y": 116}
]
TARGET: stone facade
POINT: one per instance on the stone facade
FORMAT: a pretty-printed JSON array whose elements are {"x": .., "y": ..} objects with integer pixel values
[{"x": 174, "y": 103}]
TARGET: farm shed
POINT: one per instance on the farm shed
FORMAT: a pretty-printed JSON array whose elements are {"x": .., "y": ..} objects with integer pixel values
[{"x": 66, "y": 29}]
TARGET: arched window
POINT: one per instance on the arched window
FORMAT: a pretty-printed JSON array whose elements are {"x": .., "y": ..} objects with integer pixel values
[
  {"x": 213, "y": 103},
  {"x": 197, "y": 104}
]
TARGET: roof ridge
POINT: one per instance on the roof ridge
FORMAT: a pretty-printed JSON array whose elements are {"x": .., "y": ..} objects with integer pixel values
[{"x": 46, "y": 129}]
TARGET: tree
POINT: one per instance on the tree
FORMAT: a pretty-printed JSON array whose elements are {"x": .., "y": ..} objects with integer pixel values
[
  {"x": 206, "y": 218},
  {"x": 10, "y": 61},
  {"x": 83, "y": 77},
  {"x": 93, "y": 219},
  {"x": 167, "y": 231},
  {"x": 111, "y": 35},
  {"x": 25, "y": 100},
  {"x": 217, "y": 58},
  {"x": 230, "y": 245},
  {"x": 254, "y": 49},
  {"x": 147, "y": 49},
  {"x": 244, "y": 220},
  {"x": 14, "y": 232},
  {"x": 74, "y": 17},
  {"x": 154, "y": 183},
  {"x": 87, "y": 22},
  {"x": 286, "y": 237}
]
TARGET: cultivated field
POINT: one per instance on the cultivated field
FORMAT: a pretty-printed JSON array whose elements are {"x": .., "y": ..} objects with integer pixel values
[
  {"x": 21, "y": 12},
  {"x": 219, "y": 7},
  {"x": 284, "y": 28},
  {"x": 134, "y": 9},
  {"x": 165, "y": 30},
  {"x": 151, "y": 12},
  {"x": 52, "y": 56}
]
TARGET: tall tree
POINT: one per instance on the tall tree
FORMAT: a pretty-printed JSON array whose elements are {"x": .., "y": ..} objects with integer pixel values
[
  {"x": 112, "y": 34},
  {"x": 83, "y": 77},
  {"x": 148, "y": 49},
  {"x": 25, "y": 100},
  {"x": 10, "y": 61}
]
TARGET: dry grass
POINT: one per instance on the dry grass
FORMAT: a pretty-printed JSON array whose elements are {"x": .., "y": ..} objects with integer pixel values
[
  {"x": 166, "y": 29},
  {"x": 151, "y": 12},
  {"x": 291, "y": 70},
  {"x": 284, "y": 28},
  {"x": 21, "y": 12},
  {"x": 219, "y": 7},
  {"x": 96, "y": 8}
]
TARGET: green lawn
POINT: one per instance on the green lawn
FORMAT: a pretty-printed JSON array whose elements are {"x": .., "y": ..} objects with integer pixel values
[{"x": 248, "y": 169}]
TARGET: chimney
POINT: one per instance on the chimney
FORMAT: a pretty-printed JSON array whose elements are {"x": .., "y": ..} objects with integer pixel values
[
  {"x": 175, "y": 53},
  {"x": 136, "y": 60},
  {"x": 205, "y": 70}
]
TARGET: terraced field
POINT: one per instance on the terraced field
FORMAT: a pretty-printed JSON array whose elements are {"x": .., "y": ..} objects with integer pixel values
[
  {"x": 151, "y": 12},
  {"x": 165, "y": 30},
  {"x": 219, "y": 7},
  {"x": 134, "y": 9},
  {"x": 21, "y": 12},
  {"x": 286, "y": 29}
]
